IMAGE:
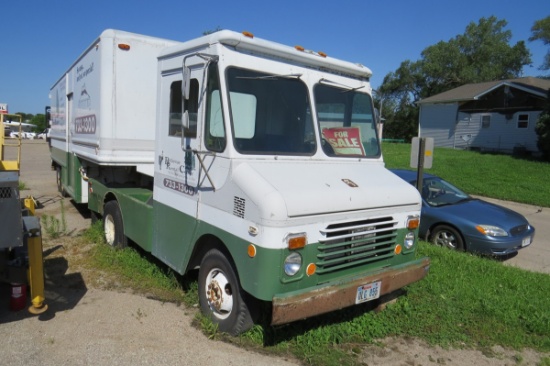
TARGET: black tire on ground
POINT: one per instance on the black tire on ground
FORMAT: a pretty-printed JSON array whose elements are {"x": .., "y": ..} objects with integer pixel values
[
  {"x": 447, "y": 236},
  {"x": 220, "y": 295},
  {"x": 113, "y": 225}
]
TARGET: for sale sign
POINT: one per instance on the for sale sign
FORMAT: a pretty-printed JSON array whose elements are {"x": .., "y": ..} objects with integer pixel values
[
  {"x": 3, "y": 108},
  {"x": 345, "y": 140}
]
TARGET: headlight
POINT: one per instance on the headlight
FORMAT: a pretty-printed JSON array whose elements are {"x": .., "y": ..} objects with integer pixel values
[
  {"x": 293, "y": 262},
  {"x": 491, "y": 230},
  {"x": 409, "y": 240}
]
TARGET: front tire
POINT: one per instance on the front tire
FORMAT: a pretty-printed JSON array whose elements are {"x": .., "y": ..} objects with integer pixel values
[
  {"x": 448, "y": 237},
  {"x": 220, "y": 295},
  {"x": 113, "y": 225}
]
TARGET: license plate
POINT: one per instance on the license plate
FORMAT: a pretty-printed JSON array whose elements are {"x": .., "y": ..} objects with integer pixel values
[
  {"x": 525, "y": 242},
  {"x": 368, "y": 292}
]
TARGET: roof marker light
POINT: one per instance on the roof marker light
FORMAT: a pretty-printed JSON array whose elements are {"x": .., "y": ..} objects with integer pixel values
[
  {"x": 247, "y": 34},
  {"x": 124, "y": 46}
]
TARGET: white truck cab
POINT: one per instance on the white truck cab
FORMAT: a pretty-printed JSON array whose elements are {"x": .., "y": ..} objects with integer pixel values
[{"x": 263, "y": 168}]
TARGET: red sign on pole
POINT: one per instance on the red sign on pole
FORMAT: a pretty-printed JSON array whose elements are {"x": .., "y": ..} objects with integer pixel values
[
  {"x": 345, "y": 140},
  {"x": 3, "y": 108}
]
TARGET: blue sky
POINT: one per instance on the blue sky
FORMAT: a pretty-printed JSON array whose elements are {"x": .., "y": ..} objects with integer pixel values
[{"x": 40, "y": 39}]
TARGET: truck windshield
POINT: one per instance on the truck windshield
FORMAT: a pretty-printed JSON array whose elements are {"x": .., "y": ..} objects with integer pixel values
[
  {"x": 346, "y": 122},
  {"x": 270, "y": 114}
]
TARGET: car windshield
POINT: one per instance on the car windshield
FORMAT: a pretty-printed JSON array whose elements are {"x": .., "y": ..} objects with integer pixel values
[{"x": 437, "y": 192}]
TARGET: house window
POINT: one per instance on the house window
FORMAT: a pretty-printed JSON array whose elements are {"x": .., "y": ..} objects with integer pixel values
[
  {"x": 486, "y": 121},
  {"x": 523, "y": 121}
]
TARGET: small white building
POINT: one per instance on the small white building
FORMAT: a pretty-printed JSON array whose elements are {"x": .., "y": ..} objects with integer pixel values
[{"x": 491, "y": 116}]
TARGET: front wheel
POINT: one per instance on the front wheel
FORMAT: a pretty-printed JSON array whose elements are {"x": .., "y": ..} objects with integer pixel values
[
  {"x": 447, "y": 236},
  {"x": 220, "y": 295},
  {"x": 113, "y": 225}
]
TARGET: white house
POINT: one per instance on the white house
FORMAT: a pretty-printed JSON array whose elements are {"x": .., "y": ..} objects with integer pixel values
[{"x": 491, "y": 116}]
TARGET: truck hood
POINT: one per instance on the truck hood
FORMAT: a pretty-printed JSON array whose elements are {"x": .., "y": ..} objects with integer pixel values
[{"x": 292, "y": 189}]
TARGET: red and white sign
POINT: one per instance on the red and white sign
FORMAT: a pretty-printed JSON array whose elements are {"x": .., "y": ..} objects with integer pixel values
[
  {"x": 345, "y": 140},
  {"x": 3, "y": 108}
]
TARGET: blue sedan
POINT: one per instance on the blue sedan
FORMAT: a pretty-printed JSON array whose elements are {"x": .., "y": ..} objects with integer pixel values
[{"x": 453, "y": 219}]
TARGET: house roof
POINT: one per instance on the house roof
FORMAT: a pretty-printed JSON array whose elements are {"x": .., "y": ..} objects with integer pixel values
[{"x": 467, "y": 92}]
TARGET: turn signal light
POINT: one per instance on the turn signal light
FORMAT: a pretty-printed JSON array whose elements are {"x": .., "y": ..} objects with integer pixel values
[
  {"x": 413, "y": 223},
  {"x": 296, "y": 241},
  {"x": 398, "y": 249},
  {"x": 311, "y": 268}
]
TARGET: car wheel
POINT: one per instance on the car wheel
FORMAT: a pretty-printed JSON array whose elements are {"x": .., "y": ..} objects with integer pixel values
[
  {"x": 113, "y": 225},
  {"x": 447, "y": 236},
  {"x": 220, "y": 295}
]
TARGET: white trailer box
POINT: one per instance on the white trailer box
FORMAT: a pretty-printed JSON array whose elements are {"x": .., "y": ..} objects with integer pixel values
[{"x": 107, "y": 98}]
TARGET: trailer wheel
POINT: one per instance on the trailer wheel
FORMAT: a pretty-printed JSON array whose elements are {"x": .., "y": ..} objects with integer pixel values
[
  {"x": 220, "y": 295},
  {"x": 113, "y": 225}
]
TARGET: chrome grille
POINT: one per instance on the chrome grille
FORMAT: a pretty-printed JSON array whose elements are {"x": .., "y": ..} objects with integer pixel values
[{"x": 350, "y": 244}]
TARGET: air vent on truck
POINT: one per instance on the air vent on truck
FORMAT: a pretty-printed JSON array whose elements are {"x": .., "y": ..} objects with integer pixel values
[{"x": 238, "y": 207}]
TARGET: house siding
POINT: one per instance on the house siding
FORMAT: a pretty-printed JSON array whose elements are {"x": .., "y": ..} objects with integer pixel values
[
  {"x": 503, "y": 133},
  {"x": 438, "y": 121},
  {"x": 460, "y": 130}
]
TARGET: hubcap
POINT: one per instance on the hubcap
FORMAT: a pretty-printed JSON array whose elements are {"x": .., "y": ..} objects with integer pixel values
[
  {"x": 109, "y": 228},
  {"x": 219, "y": 294},
  {"x": 446, "y": 239}
]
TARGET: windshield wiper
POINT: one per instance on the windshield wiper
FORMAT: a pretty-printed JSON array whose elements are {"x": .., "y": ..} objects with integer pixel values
[
  {"x": 273, "y": 77},
  {"x": 349, "y": 88}
]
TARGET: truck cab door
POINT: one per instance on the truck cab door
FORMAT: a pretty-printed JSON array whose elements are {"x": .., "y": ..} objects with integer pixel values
[{"x": 176, "y": 175}]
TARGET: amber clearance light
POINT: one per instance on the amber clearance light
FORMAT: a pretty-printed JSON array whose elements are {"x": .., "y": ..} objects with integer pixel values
[
  {"x": 296, "y": 241},
  {"x": 124, "y": 46},
  {"x": 413, "y": 222}
]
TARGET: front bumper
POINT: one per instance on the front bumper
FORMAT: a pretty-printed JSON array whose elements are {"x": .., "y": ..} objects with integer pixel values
[
  {"x": 341, "y": 294},
  {"x": 499, "y": 246}
]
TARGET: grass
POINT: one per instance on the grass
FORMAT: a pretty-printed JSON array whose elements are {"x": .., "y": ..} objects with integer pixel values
[
  {"x": 132, "y": 268},
  {"x": 53, "y": 226},
  {"x": 466, "y": 301},
  {"x": 491, "y": 175}
]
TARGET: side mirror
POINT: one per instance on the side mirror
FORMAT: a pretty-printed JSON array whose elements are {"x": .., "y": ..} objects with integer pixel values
[
  {"x": 185, "y": 122},
  {"x": 186, "y": 82}
]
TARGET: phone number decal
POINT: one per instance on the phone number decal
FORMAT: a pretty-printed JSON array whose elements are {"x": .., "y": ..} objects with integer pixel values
[{"x": 179, "y": 187}]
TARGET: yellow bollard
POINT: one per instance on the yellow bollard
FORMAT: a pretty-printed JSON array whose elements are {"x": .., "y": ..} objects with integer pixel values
[
  {"x": 36, "y": 273},
  {"x": 36, "y": 263}
]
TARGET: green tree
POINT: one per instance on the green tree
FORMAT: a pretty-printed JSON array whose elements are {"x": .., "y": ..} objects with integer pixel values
[
  {"x": 482, "y": 53},
  {"x": 541, "y": 31},
  {"x": 39, "y": 121},
  {"x": 542, "y": 128}
]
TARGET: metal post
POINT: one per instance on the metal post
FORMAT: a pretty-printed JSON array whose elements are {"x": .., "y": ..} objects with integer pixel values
[{"x": 420, "y": 171}]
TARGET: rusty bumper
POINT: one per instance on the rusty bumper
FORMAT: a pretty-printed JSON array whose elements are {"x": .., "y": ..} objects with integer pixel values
[{"x": 290, "y": 307}]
